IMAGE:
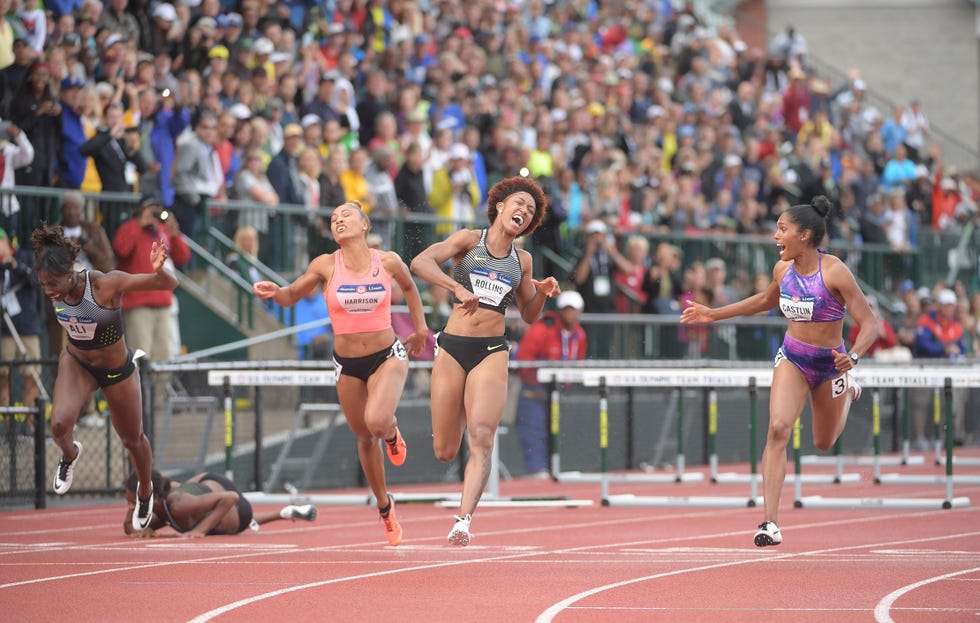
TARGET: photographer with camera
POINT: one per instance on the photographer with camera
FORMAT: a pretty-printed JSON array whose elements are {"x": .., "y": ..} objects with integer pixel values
[
  {"x": 146, "y": 313},
  {"x": 35, "y": 109},
  {"x": 455, "y": 193},
  {"x": 20, "y": 326},
  {"x": 161, "y": 120},
  {"x": 16, "y": 151},
  {"x": 110, "y": 152}
]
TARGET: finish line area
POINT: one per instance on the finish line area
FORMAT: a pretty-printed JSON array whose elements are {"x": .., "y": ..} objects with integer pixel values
[
  {"x": 710, "y": 385},
  {"x": 230, "y": 378},
  {"x": 751, "y": 379}
]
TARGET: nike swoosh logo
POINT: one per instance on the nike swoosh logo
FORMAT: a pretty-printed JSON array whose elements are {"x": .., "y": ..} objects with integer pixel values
[
  {"x": 495, "y": 347},
  {"x": 60, "y": 309},
  {"x": 480, "y": 258},
  {"x": 113, "y": 376}
]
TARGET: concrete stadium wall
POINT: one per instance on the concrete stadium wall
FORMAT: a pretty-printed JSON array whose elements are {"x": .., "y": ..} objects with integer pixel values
[{"x": 929, "y": 49}]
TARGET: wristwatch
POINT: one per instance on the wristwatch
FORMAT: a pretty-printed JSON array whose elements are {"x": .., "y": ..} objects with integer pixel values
[{"x": 854, "y": 358}]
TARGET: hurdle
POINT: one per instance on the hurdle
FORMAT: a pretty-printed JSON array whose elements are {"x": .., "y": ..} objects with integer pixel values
[
  {"x": 734, "y": 478},
  {"x": 228, "y": 378},
  {"x": 920, "y": 479},
  {"x": 751, "y": 378},
  {"x": 904, "y": 377},
  {"x": 554, "y": 376},
  {"x": 905, "y": 457}
]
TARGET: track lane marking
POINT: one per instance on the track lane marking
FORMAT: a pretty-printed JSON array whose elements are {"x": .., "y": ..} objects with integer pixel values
[
  {"x": 549, "y": 614},
  {"x": 882, "y": 610}
]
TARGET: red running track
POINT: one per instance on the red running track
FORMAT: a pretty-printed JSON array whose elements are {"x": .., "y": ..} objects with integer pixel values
[{"x": 566, "y": 565}]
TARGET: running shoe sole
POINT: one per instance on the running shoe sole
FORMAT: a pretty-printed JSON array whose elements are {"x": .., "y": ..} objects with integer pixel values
[
  {"x": 459, "y": 537},
  {"x": 764, "y": 540},
  {"x": 460, "y": 534}
]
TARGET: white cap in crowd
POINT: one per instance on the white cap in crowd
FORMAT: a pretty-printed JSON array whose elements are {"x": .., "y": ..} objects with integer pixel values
[
  {"x": 459, "y": 151},
  {"x": 946, "y": 297},
  {"x": 570, "y": 298},
  {"x": 595, "y": 226}
]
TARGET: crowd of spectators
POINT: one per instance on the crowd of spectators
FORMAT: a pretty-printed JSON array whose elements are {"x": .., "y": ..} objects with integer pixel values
[{"x": 637, "y": 117}]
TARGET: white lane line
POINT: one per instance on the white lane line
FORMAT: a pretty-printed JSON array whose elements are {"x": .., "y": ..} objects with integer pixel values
[
  {"x": 549, "y": 614},
  {"x": 208, "y": 616},
  {"x": 882, "y": 610}
]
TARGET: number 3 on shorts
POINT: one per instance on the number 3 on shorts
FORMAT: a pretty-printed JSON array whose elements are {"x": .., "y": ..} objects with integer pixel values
[{"x": 839, "y": 385}]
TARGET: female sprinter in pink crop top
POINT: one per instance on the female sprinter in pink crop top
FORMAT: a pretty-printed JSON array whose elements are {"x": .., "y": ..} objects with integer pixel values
[
  {"x": 812, "y": 289},
  {"x": 370, "y": 361}
]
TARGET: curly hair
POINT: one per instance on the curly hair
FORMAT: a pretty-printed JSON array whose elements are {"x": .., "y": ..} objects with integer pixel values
[
  {"x": 53, "y": 252},
  {"x": 517, "y": 184}
]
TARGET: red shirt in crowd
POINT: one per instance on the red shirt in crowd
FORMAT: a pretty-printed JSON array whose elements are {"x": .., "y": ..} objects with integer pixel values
[
  {"x": 546, "y": 340},
  {"x": 132, "y": 246}
]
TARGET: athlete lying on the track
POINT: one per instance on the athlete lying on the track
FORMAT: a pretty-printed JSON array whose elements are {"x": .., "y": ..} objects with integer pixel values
[{"x": 207, "y": 504}]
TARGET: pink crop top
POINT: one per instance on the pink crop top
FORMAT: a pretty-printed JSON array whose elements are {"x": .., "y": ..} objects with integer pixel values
[{"x": 359, "y": 304}]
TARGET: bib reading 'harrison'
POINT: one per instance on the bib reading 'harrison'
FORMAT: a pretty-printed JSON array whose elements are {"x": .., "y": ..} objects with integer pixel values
[
  {"x": 359, "y": 304},
  {"x": 806, "y": 298},
  {"x": 493, "y": 279},
  {"x": 89, "y": 325}
]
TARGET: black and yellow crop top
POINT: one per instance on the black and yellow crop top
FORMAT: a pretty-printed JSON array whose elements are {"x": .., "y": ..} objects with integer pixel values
[
  {"x": 89, "y": 325},
  {"x": 493, "y": 279}
]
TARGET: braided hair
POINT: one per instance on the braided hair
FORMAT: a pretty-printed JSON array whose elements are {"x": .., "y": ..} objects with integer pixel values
[{"x": 53, "y": 252}]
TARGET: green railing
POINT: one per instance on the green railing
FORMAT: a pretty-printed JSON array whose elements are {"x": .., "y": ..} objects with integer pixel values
[{"x": 939, "y": 257}]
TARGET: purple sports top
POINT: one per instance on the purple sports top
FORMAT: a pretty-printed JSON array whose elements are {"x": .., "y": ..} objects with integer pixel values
[{"x": 806, "y": 298}]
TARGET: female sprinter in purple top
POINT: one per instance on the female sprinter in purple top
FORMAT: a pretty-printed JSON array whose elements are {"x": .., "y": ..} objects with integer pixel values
[{"x": 811, "y": 289}]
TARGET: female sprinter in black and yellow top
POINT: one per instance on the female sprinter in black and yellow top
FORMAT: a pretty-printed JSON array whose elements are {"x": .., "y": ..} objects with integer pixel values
[
  {"x": 469, "y": 377},
  {"x": 87, "y": 304}
]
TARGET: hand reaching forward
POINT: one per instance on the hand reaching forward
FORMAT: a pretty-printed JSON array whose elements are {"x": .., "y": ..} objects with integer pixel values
[
  {"x": 158, "y": 255},
  {"x": 549, "y": 286},
  {"x": 264, "y": 289},
  {"x": 696, "y": 312}
]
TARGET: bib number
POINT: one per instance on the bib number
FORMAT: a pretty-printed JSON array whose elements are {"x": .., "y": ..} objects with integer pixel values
[{"x": 839, "y": 386}]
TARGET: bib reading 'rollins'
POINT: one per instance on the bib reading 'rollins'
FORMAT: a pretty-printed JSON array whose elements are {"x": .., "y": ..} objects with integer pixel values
[
  {"x": 806, "y": 298},
  {"x": 494, "y": 280},
  {"x": 89, "y": 325}
]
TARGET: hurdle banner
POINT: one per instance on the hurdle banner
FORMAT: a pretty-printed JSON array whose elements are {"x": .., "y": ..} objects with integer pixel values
[
  {"x": 555, "y": 376},
  {"x": 877, "y": 377},
  {"x": 257, "y": 378}
]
